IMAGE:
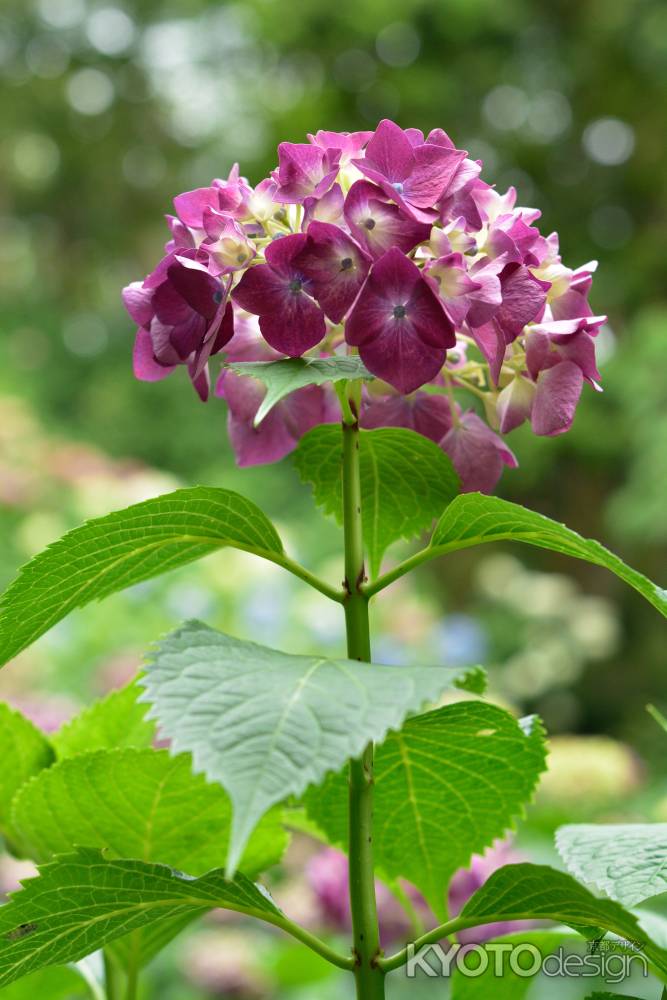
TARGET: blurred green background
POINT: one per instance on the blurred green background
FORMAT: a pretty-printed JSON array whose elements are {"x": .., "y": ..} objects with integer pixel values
[{"x": 108, "y": 110}]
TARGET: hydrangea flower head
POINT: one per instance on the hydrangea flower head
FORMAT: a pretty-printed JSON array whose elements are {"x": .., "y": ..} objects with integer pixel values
[{"x": 387, "y": 244}]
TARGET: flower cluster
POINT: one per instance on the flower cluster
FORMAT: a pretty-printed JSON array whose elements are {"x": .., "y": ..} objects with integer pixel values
[{"x": 388, "y": 244}]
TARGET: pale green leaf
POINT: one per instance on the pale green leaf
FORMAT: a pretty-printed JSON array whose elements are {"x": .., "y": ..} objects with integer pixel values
[
  {"x": 141, "y": 804},
  {"x": 473, "y": 519},
  {"x": 83, "y": 901},
  {"x": 115, "y": 721},
  {"x": 627, "y": 862},
  {"x": 611, "y": 996},
  {"x": 406, "y": 480},
  {"x": 111, "y": 553},
  {"x": 530, "y": 892},
  {"x": 24, "y": 751},
  {"x": 446, "y": 786},
  {"x": 266, "y": 724},
  {"x": 285, "y": 376}
]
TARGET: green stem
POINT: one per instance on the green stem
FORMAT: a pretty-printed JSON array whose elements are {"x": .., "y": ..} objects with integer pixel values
[
  {"x": 369, "y": 977},
  {"x": 111, "y": 978},
  {"x": 132, "y": 982}
]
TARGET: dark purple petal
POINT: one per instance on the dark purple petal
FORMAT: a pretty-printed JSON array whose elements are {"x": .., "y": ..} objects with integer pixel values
[
  {"x": 298, "y": 326},
  {"x": 556, "y": 398},
  {"x": 198, "y": 289},
  {"x": 422, "y": 412},
  {"x": 478, "y": 455},
  {"x": 523, "y": 299},
  {"x": 402, "y": 360},
  {"x": 378, "y": 225},
  {"x": 261, "y": 290},
  {"x": 335, "y": 266},
  {"x": 281, "y": 253}
]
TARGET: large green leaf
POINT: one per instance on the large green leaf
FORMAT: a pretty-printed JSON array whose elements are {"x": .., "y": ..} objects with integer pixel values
[
  {"x": 24, "y": 751},
  {"x": 473, "y": 519},
  {"x": 446, "y": 786},
  {"x": 627, "y": 862},
  {"x": 406, "y": 480},
  {"x": 115, "y": 721},
  {"x": 266, "y": 724},
  {"x": 49, "y": 984},
  {"x": 111, "y": 553},
  {"x": 285, "y": 376},
  {"x": 141, "y": 804},
  {"x": 529, "y": 892},
  {"x": 499, "y": 981},
  {"x": 82, "y": 901}
]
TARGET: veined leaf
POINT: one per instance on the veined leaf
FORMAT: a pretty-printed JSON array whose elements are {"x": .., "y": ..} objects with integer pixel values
[
  {"x": 265, "y": 724},
  {"x": 499, "y": 981},
  {"x": 446, "y": 786},
  {"x": 530, "y": 892},
  {"x": 406, "y": 480},
  {"x": 82, "y": 901},
  {"x": 285, "y": 376},
  {"x": 62, "y": 983},
  {"x": 24, "y": 751},
  {"x": 141, "y": 804},
  {"x": 111, "y": 553},
  {"x": 115, "y": 721},
  {"x": 627, "y": 862},
  {"x": 473, "y": 519}
]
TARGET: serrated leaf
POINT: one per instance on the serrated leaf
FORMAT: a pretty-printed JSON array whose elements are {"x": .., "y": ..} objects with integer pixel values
[
  {"x": 406, "y": 480},
  {"x": 446, "y": 786},
  {"x": 473, "y": 519},
  {"x": 532, "y": 892},
  {"x": 141, "y": 804},
  {"x": 627, "y": 862},
  {"x": 82, "y": 901},
  {"x": 24, "y": 751},
  {"x": 266, "y": 724},
  {"x": 289, "y": 374},
  {"x": 117, "y": 720},
  {"x": 114, "y": 552}
]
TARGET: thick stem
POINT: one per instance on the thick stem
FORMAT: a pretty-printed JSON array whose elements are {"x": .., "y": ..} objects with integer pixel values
[
  {"x": 369, "y": 977},
  {"x": 111, "y": 978}
]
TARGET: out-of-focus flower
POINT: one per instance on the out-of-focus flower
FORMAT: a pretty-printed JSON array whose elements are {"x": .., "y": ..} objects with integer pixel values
[
  {"x": 466, "y": 882},
  {"x": 388, "y": 243}
]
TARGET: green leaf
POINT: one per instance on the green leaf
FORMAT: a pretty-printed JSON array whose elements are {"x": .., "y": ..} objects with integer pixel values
[
  {"x": 24, "y": 751},
  {"x": 285, "y": 376},
  {"x": 266, "y": 724},
  {"x": 141, "y": 804},
  {"x": 49, "y": 984},
  {"x": 446, "y": 786},
  {"x": 406, "y": 480},
  {"x": 627, "y": 862},
  {"x": 82, "y": 901},
  {"x": 473, "y": 519},
  {"x": 530, "y": 892},
  {"x": 499, "y": 981},
  {"x": 611, "y": 996},
  {"x": 111, "y": 553},
  {"x": 658, "y": 716},
  {"x": 115, "y": 721}
]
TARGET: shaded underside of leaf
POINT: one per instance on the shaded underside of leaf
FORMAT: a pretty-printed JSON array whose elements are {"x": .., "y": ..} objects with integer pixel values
[
  {"x": 406, "y": 480},
  {"x": 473, "y": 519},
  {"x": 628, "y": 862},
  {"x": 111, "y": 553},
  {"x": 285, "y": 376},
  {"x": 447, "y": 786},
  {"x": 265, "y": 724}
]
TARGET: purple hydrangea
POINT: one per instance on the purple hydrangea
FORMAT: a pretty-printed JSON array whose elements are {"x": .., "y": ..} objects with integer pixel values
[{"x": 390, "y": 245}]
